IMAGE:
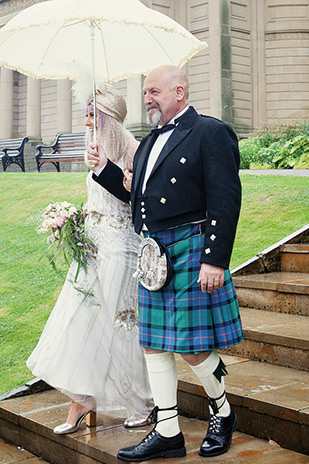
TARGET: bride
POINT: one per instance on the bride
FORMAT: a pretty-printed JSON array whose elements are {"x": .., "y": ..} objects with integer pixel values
[{"x": 89, "y": 347}]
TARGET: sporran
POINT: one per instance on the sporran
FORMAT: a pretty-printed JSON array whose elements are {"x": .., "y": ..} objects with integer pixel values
[{"x": 154, "y": 265}]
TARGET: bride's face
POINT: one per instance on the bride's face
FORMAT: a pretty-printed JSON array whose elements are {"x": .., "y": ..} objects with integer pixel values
[{"x": 90, "y": 117}]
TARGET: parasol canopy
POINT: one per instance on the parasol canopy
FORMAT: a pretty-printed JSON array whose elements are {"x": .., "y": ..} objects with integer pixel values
[{"x": 52, "y": 40}]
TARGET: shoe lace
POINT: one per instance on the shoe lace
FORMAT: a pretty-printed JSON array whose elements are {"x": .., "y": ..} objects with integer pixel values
[
  {"x": 215, "y": 424},
  {"x": 148, "y": 437}
]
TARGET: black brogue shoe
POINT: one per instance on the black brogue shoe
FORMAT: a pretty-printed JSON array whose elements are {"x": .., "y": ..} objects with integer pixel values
[
  {"x": 219, "y": 435},
  {"x": 153, "y": 446}
]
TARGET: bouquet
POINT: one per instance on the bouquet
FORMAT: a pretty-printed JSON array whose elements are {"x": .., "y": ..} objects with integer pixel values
[{"x": 66, "y": 225}]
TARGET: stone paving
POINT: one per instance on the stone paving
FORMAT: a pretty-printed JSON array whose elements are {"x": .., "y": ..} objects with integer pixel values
[
  {"x": 13, "y": 454},
  {"x": 29, "y": 422},
  {"x": 276, "y": 172}
]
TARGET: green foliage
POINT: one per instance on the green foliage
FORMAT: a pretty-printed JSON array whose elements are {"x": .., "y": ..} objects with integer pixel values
[
  {"x": 303, "y": 162},
  {"x": 292, "y": 150},
  {"x": 280, "y": 146},
  {"x": 249, "y": 149},
  {"x": 282, "y": 132}
]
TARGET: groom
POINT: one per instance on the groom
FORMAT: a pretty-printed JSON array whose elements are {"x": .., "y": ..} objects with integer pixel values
[{"x": 185, "y": 189}]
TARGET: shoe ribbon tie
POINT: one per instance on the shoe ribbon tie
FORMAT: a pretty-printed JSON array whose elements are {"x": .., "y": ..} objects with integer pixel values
[
  {"x": 153, "y": 416},
  {"x": 213, "y": 403}
]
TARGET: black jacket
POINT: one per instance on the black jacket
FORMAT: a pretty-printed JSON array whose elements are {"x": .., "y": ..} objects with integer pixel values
[{"x": 196, "y": 175}]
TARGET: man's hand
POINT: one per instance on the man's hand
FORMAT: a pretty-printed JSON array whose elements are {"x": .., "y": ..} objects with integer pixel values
[
  {"x": 211, "y": 277},
  {"x": 97, "y": 158},
  {"x": 127, "y": 179}
]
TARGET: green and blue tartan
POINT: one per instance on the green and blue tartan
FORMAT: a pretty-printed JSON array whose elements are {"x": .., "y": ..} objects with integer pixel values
[{"x": 180, "y": 317}]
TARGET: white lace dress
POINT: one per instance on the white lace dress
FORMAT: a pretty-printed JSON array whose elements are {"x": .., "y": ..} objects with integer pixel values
[{"x": 90, "y": 346}]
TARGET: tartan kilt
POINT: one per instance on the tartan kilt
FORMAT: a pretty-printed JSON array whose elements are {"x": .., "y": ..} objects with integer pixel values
[{"x": 180, "y": 317}]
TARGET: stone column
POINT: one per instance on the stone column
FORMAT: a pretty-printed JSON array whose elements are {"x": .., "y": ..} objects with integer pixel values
[
  {"x": 180, "y": 15},
  {"x": 258, "y": 63},
  {"x": 33, "y": 108},
  {"x": 215, "y": 84},
  {"x": 220, "y": 60},
  {"x": 6, "y": 103},
  {"x": 226, "y": 62},
  {"x": 136, "y": 119},
  {"x": 64, "y": 106}
]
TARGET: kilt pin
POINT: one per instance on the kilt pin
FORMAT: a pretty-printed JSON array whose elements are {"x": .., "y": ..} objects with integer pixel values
[{"x": 191, "y": 203}]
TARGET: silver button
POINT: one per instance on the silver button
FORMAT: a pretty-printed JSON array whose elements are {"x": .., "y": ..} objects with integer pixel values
[
  {"x": 213, "y": 237},
  {"x": 213, "y": 222},
  {"x": 143, "y": 210},
  {"x": 183, "y": 160},
  {"x": 163, "y": 200},
  {"x": 143, "y": 216},
  {"x": 173, "y": 180},
  {"x": 207, "y": 251},
  {"x": 142, "y": 203}
]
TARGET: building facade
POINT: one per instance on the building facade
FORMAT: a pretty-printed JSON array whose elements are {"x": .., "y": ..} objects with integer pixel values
[{"x": 255, "y": 70}]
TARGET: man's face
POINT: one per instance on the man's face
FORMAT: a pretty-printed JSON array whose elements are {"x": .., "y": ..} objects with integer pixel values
[{"x": 160, "y": 99}]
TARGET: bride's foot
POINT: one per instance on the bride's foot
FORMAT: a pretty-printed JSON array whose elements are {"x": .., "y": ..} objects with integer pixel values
[
  {"x": 138, "y": 421},
  {"x": 76, "y": 415}
]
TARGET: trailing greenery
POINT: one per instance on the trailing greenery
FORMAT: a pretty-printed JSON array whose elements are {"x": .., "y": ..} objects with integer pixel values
[
  {"x": 273, "y": 207},
  {"x": 285, "y": 146}
]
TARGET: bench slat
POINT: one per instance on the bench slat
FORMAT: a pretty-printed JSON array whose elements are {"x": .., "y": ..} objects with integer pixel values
[{"x": 69, "y": 148}]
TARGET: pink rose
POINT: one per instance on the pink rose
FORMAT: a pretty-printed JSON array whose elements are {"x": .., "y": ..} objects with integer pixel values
[{"x": 60, "y": 221}]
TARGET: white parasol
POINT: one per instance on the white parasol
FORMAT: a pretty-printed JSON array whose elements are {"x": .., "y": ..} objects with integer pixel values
[{"x": 108, "y": 39}]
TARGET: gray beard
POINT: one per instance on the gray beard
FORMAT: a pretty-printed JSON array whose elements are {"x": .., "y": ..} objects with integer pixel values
[{"x": 155, "y": 119}]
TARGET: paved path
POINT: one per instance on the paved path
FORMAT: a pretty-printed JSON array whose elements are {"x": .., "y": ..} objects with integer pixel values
[{"x": 276, "y": 172}]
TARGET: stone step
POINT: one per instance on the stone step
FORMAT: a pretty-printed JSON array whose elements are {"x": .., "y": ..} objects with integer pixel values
[
  {"x": 284, "y": 292},
  {"x": 29, "y": 423},
  {"x": 295, "y": 257},
  {"x": 280, "y": 339},
  {"x": 271, "y": 402},
  {"x": 13, "y": 454}
]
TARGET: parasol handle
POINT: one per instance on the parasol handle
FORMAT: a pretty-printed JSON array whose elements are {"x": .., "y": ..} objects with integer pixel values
[{"x": 92, "y": 34}]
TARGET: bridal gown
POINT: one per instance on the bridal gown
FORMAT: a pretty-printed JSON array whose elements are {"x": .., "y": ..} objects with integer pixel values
[{"x": 89, "y": 346}]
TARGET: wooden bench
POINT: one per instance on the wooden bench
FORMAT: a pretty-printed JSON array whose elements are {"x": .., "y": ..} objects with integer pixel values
[
  {"x": 66, "y": 148},
  {"x": 12, "y": 152}
]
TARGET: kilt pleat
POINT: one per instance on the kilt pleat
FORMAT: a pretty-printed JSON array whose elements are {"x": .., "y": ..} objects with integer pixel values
[{"x": 181, "y": 318}]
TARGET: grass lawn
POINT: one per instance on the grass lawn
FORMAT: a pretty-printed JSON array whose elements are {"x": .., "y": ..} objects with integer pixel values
[{"x": 273, "y": 207}]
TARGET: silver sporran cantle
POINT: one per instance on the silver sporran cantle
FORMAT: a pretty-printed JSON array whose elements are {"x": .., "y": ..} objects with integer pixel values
[{"x": 154, "y": 265}]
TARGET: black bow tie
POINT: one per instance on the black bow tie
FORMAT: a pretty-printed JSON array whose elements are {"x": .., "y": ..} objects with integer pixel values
[
  {"x": 161, "y": 130},
  {"x": 167, "y": 127}
]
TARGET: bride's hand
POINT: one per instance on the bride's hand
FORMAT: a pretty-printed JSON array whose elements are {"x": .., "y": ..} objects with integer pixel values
[
  {"x": 95, "y": 157},
  {"x": 127, "y": 179}
]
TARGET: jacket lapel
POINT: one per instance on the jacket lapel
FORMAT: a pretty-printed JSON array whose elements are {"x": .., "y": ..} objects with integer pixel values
[
  {"x": 182, "y": 130},
  {"x": 177, "y": 136}
]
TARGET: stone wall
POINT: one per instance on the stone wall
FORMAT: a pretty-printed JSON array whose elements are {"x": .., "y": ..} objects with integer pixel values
[{"x": 254, "y": 71}]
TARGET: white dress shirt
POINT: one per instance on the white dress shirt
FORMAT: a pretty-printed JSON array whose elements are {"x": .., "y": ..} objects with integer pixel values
[{"x": 157, "y": 148}]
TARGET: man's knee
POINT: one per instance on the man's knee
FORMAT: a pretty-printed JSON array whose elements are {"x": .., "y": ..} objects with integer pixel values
[
  {"x": 152, "y": 351},
  {"x": 195, "y": 359}
]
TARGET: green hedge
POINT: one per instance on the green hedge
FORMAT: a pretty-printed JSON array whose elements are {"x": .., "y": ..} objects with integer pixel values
[{"x": 285, "y": 146}]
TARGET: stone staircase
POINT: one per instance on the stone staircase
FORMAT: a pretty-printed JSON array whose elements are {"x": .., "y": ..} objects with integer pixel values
[
  {"x": 267, "y": 385},
  {"x": 28, "y": 423}
]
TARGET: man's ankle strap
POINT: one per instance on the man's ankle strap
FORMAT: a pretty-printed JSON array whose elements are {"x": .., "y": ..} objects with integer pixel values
[{"x": 153, "y": 416}]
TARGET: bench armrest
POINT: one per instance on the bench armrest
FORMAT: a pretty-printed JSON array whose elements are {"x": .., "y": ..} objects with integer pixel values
[
  {"x": 5, "y": 150},
  {"x": 52, "y": 147},
  {"x": 42, "y": 147}
]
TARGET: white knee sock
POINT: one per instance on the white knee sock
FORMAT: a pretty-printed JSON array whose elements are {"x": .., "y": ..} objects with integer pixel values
[
  {"x": 163, "y": 382},
  {"x": 214, "y": 389}
]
